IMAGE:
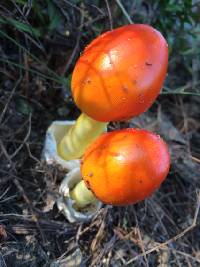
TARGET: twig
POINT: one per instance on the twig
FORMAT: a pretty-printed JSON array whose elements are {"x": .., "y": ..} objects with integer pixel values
[
  {"x": 9, "y": 99},
  {"x": 30, "y": 54},
  {"x": 15, "y": 215},
  {"x": 24, "y": 141},
  {"x": 72, "y": 5},
  {"x": 22, "y": 192},
  {"x": 173, "y": 239},
  {"x": 3, "y": 149},
  {"x": 21, "y": 67},
  {"x": 38, "y": 42},
  {"x": 4, "y": 193},
  {"x": 195, "y": 159},
  {"x": 124, "y": 11},
  {"x": 76, "y": 46},
  {"x": 99, "y": 236},
  {"x": 109, "y": 15},
  {"x": 181, "y": 90},
  {"x": 140, "y": 238},
  {"x": 26, "y": 199},
  {"x": 2, "y": 261},
  {"x": 27, "y": 78},
  {"x": 185, "y": 254},
  {"x": 92, "y": 21},
  {"x": 180, "y": 93}
]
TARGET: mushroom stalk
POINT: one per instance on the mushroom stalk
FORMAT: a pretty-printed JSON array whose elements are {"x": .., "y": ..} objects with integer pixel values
[
  {"x": 82, "y": 195},
  {"x": 77, "y": 139}
]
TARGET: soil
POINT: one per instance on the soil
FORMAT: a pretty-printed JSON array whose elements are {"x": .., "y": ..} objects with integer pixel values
[{"x": 161, "y": 231}]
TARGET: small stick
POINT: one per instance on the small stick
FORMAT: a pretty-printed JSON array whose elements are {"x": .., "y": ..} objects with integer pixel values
[
  {"x": 189, "y": 228},
  {"x": 124, "y": 11},
  {"x": 109, "y": 15}
]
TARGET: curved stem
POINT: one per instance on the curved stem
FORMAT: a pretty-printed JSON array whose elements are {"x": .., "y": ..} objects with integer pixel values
[
  {"x": 82, "y": 195},
  {"x": 85, "y": 131}
]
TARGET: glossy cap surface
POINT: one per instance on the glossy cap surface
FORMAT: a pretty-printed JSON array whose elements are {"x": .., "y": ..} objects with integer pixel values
[
  {"x": 125, "y": 166},
  {"x": 120, "y": 73}
]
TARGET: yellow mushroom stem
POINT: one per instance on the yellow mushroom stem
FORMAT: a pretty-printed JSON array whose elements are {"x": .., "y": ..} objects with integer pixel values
[
  {"x": 77, "y": 139},
  {"x": 82, "y": 195}
]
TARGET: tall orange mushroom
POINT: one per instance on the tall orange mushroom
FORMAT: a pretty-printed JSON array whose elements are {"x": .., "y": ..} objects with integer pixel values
[
  {"x": 118, "y": 76},
  {"x": 122, "y": 167}
]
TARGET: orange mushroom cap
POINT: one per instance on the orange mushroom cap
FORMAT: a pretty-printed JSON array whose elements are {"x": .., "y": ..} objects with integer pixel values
[
  {"x": 125, "y": 166},
  {"x": 120, "y": 73}
]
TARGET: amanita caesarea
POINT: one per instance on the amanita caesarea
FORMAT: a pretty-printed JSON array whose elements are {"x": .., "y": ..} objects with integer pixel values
[
  {"x": 118, "y": 76},
  {"x": 122, "y": 167}
]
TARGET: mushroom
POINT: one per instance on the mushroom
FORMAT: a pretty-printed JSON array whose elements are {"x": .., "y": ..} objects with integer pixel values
[
  {"x": 122, "y": 167},
  {"x": 117, "y": 77}
]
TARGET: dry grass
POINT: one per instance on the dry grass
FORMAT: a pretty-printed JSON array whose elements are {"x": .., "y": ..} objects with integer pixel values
[{"x": 161, "y": 231}]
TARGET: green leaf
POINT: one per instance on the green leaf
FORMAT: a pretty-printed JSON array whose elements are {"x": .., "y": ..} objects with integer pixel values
[
  {"x": 22, "y": 2},
  {"x": 20, "y": 26},
  {"x": 66, "y": 81},
  {"x": 55, "y": 18},
  {"x": 23, "y": 106}
]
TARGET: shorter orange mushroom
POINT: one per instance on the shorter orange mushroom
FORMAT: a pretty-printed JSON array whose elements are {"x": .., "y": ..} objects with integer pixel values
[{"x": 122, "y": 167}]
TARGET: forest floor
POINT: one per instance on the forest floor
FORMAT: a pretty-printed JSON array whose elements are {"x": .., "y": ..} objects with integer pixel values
[{"x": 38, "y": 49}]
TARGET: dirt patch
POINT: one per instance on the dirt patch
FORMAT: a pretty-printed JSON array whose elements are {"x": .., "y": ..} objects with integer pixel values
[{"x": 36, "y": 64}]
